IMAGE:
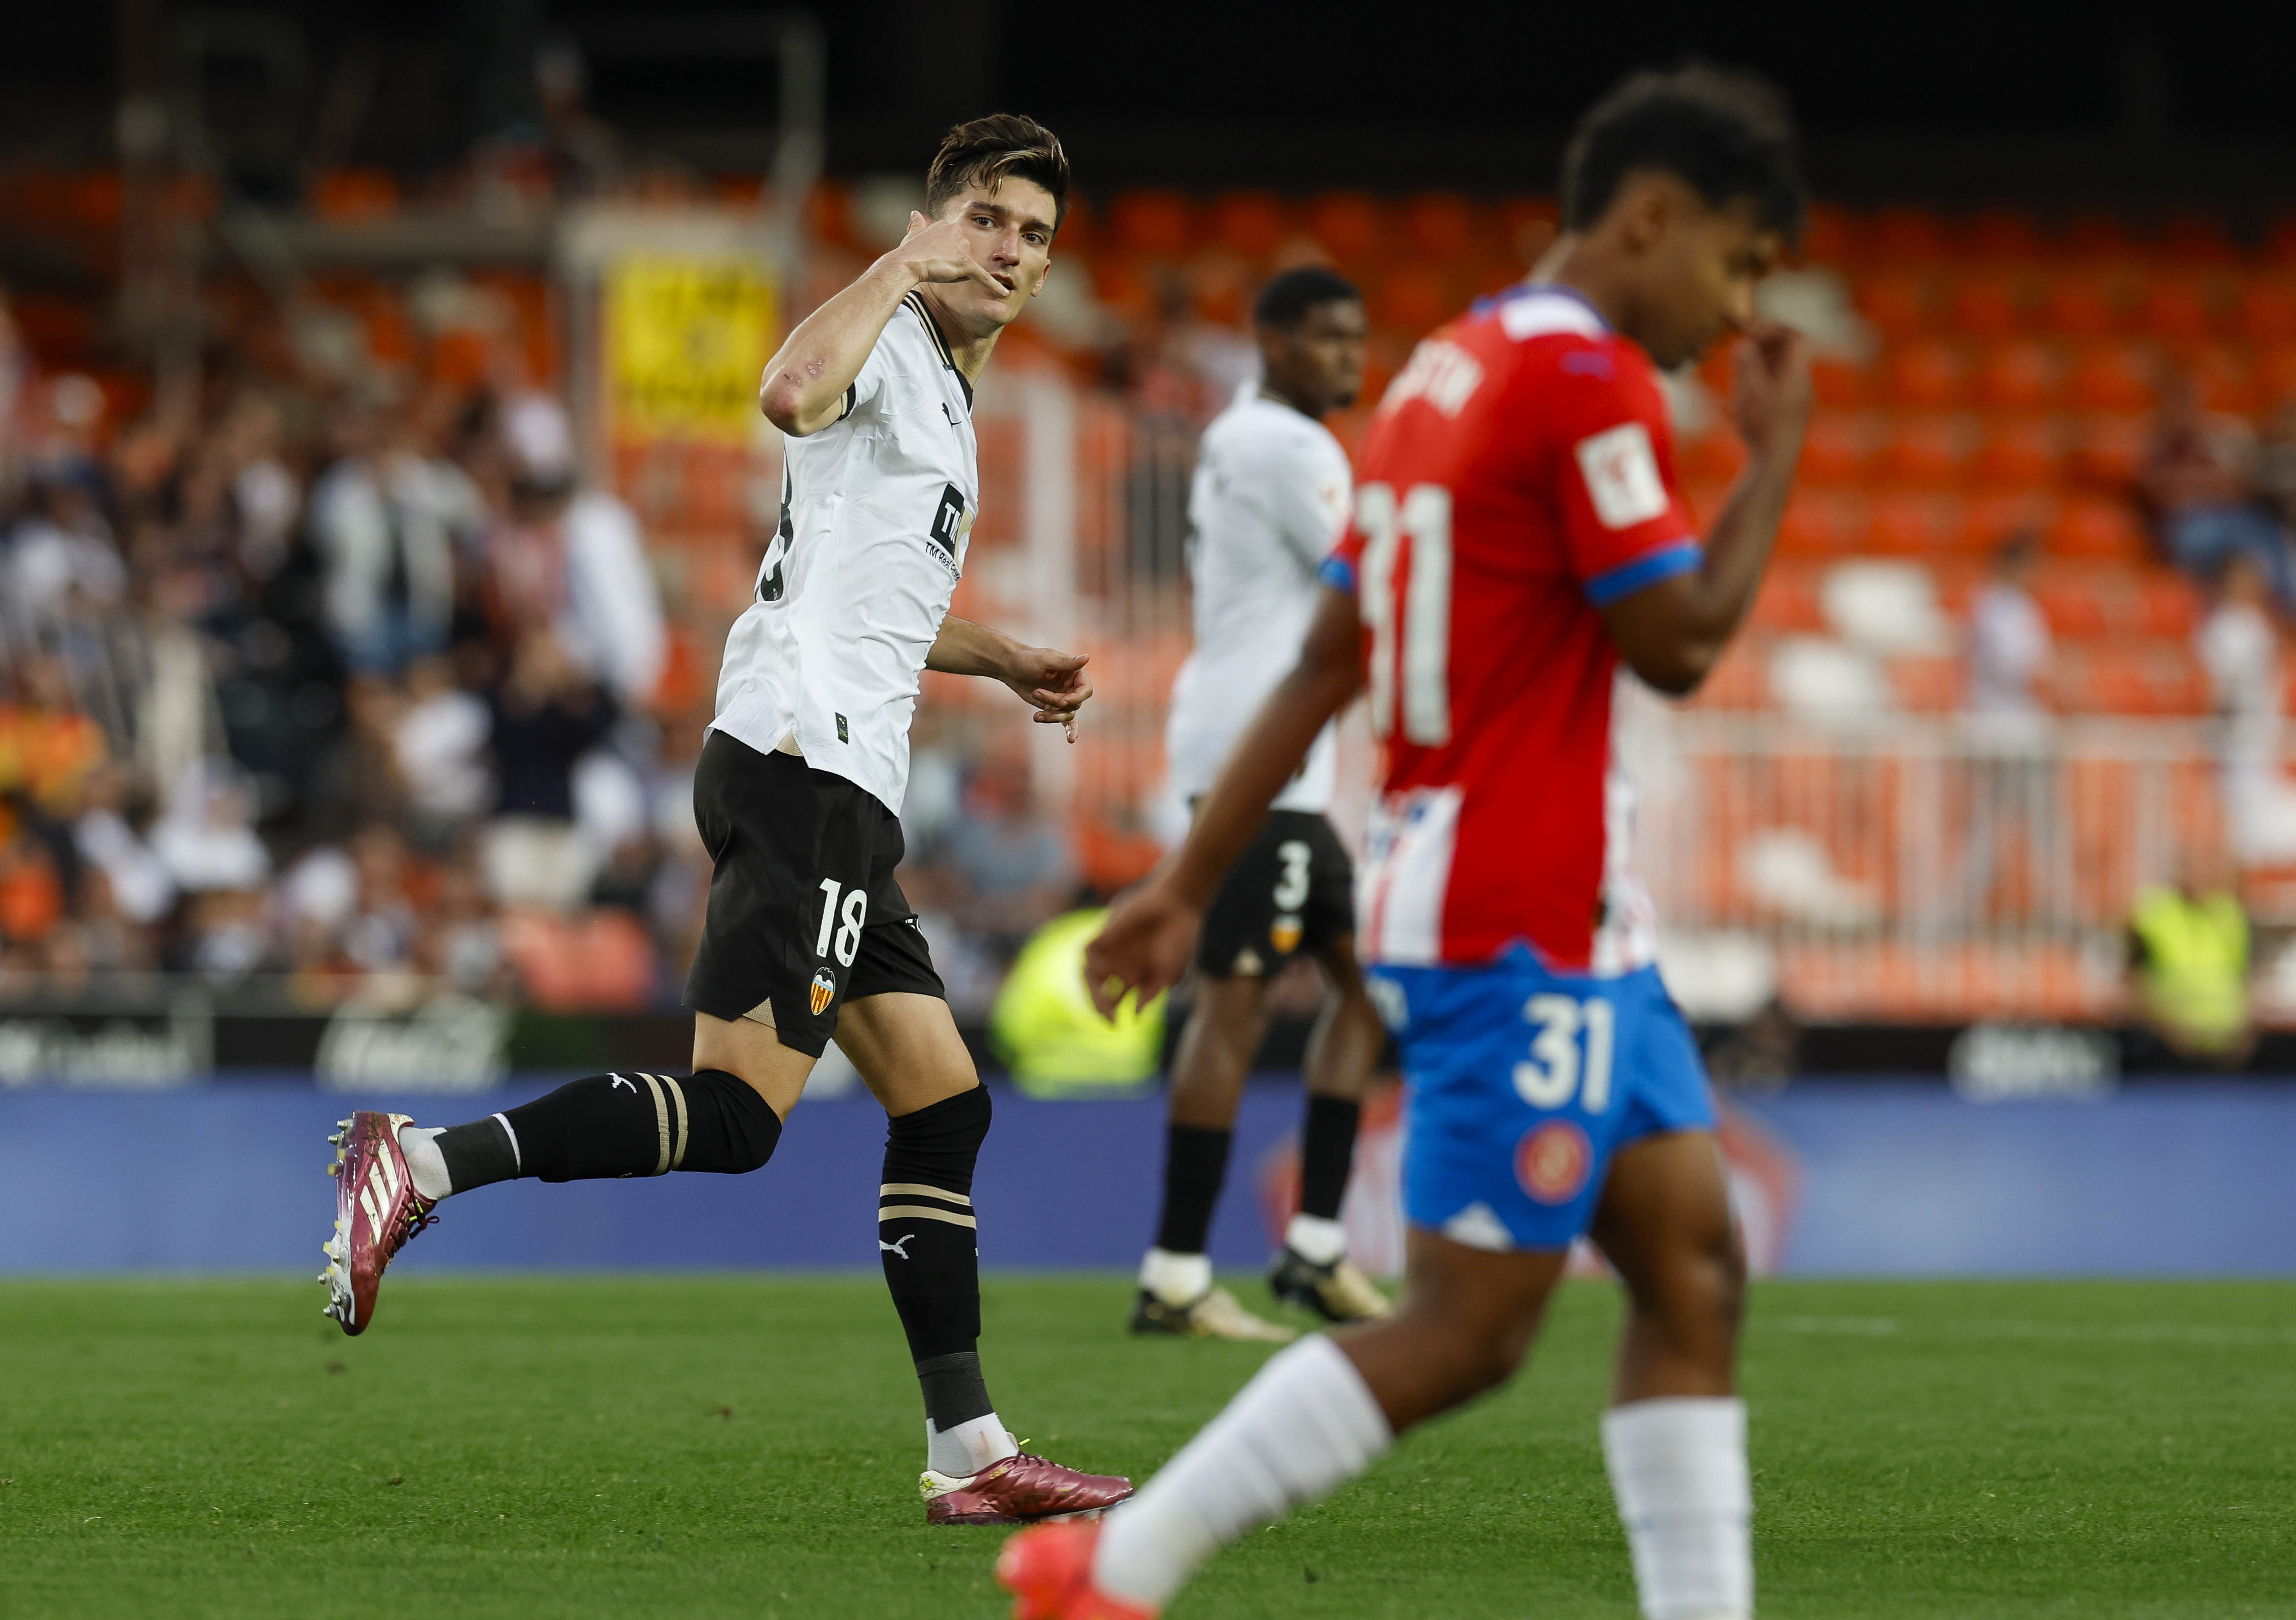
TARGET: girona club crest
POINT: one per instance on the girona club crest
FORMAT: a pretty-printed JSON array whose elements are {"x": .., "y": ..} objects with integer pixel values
[
  {"x": 1552, "y": 1162},
  {"x": 824, "y": 991}
]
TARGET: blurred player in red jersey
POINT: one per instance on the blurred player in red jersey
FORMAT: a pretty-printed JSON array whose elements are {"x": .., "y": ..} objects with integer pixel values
[{"x": 1516, "y": 538}]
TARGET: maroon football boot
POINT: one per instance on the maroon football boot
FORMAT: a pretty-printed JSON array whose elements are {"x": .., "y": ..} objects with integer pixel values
[
  {"x": 1017, "y": 1490},
  {"x": 376, "y": 1211}
]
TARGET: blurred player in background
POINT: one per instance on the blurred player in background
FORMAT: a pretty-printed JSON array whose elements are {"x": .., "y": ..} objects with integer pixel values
[
  {"x": 1517, "y": 536},
  {"x": 799, "y": 795},
  {"x": 1270, "y": 499}
]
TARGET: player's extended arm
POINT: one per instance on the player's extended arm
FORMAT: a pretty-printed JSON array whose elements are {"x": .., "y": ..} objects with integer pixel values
[
  {"x": 805, "y": 382},
  {"x": 1672, "y": 632},
  {"x": 1051, "y": 682},
  {"x": 1145, "y": 943}
]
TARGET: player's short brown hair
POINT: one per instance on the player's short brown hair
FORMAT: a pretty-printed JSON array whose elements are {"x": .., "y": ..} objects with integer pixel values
[{"x": 981, "y": 151}]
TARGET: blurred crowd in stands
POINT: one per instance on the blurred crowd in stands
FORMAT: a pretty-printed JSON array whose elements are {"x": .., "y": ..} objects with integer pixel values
[{"x": 359, "y": 688}]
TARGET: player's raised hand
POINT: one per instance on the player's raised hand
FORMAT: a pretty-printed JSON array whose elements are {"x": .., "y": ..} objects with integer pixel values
[
  {"x": 1144, "y": 945},
  {"x": 938, "y": 250},
  {"x": 1051, "y": 682},
  {"x": 1770, "y": 393}
]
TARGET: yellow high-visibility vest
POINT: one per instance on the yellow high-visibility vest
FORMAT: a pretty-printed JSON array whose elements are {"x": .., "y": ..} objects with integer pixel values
[
  {"x": 2195, "y": 970},
  {"x": 1046, "y": 1029}
]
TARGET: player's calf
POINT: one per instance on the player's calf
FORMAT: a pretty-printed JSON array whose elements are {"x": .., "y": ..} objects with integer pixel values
[
  {"x": 604, "y": 1127},
  {"x": 393, "y": 1173}
]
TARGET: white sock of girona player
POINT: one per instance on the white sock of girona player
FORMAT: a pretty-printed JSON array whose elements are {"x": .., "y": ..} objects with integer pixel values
[
  {"x": 425, "y": 1164},
  {"x": 1679, "y": 1469},
  {"x": 1304, "y": 1425}
]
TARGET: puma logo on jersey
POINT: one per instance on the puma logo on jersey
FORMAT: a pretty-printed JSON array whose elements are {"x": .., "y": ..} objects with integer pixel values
[
  {"x": 619, "y": 1081},
  {"x": 900, "y": 1249}
]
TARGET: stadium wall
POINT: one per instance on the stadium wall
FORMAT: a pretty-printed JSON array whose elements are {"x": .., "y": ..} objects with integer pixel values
[{"x": 1860, "y": 1179}]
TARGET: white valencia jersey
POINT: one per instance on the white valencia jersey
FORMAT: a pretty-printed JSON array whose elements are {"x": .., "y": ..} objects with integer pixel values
[
  {"x": 1270, "y": 497},
  {"x": 876, "y": 511}
]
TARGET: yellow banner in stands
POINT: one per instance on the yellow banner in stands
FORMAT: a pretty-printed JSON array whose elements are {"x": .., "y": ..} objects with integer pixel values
[{"x": 687, "y": 341}]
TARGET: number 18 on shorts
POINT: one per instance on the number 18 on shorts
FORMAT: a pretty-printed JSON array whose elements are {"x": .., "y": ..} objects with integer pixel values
[{"x": 1523, "y": 1084}]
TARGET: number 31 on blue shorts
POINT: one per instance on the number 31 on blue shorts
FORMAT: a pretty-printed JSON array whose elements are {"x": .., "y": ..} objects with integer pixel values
[{"x": 1523, "y": 1084}]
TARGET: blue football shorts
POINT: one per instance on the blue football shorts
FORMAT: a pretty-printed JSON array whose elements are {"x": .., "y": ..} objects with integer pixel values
[{"x": 1523, "y": 1084}]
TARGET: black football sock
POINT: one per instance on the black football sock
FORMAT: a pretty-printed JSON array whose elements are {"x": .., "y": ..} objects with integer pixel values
[
  {"x": 1195, "y": 1165},
  {"x": 1327, "y": 1151},
  {"x": 928, "y": 1239},
  {"x": 619, "y": 1125}
]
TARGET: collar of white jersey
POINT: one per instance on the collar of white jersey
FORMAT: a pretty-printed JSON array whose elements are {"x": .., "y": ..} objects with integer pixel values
[
  {"x": 915, "y": 300},
  {"x": 1537, "y": 309}
]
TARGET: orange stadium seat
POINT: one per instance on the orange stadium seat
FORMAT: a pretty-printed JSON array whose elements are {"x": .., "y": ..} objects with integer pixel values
[
  {"x": 2264, "y": 310},
  {"x": 1219, "y": 288},
  {"x": 2113, "y": 377},
  {"x": 2108, "y": 449},
  {"x": 2169, "y": 605},
  {"x": 1836, "y": 450},
  {"x": 1413, "y": 299},
  {"x": 1713, "y": 457},
  {"x": 1840, "y": 384},
  {"x": 2275, "y": 375},
  {"x": 1896, "y": 301},
  {"x": 1926, "y": 686},
  {"x": 1353, "y": 227},
  {"x": 1789, "y": 602},
  {"x": 1828, "y": 235},
  {"x": 2095, "y": 527},
  {"x": 1925, "y": 450},
  {"x": 1442, "y": 225},
  {"x": 2020, "y": 375},
  {"x": 1926, "y": 374},
  {"x": 1824, "y": 521},
  {"x": 2177, "y": 309},
  {"x": 2224, "y": 378},
  {"x": 1992, "y": 306},
  {"x": 1906, "y": 524},
  {"x": 1251, "y": 224},
  {"x": 2074, "y": 604},
  {"x": 2021, "y": 453},
  {"x": 1994, "y": 516},
  {"x": 2081, "y": 303},
  {"x": 1156, "y": 223}
]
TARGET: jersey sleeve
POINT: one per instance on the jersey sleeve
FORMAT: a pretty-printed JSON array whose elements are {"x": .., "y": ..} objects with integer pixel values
[
  {"x": 870, "y": 381},
  {"x": 1338, "y": 570},
  {"x": 1623, "y": 524},
  {"x": 1308, "y": 500}
]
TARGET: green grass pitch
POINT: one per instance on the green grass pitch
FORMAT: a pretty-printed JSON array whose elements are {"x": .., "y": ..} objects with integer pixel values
[{"x": 704, "y": 1446}]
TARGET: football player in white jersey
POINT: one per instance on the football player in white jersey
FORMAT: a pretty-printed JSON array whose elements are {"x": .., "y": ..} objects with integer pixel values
[
  {"x": 1270, "y": 496},
  {"x": 798, "y": 793}
]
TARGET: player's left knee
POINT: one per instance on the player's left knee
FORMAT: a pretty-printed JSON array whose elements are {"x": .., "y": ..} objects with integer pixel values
[{"x": 1710, "y": 1285}]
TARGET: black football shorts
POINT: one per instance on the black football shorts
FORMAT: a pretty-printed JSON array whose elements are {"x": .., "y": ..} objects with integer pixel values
[
  {"x": 1293, "y": 890},
  {"x": 804, "y": 913}
]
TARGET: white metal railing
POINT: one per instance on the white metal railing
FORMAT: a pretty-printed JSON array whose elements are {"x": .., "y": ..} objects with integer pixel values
[{"x": 1917, "y": 867}]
